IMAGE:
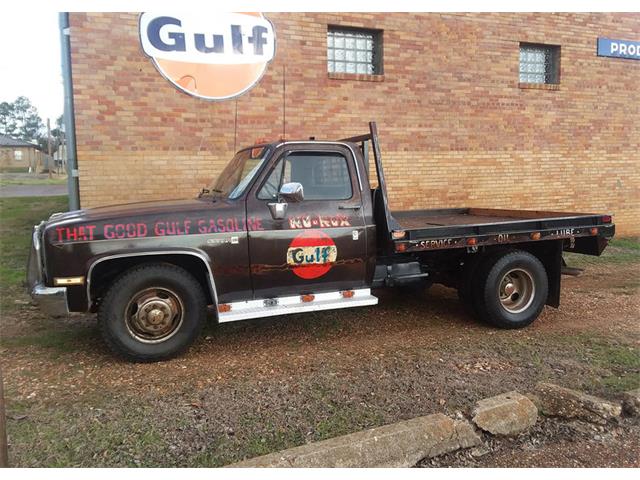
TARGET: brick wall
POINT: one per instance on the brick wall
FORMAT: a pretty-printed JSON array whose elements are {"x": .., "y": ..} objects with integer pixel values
[{"x": 456, "y": 129}]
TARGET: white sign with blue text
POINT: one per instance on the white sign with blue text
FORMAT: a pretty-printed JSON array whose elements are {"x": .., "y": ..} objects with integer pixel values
[{"x": 618, "y": 48}]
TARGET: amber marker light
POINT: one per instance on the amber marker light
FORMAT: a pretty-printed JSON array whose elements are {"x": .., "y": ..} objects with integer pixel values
[
  {"x": 472, "y": 241},
  {"x": 401, "y": 247},
  {"x": 535, "y": 236},
  {"x": 594, "y": 231},
  {"x": 348, "y": 293},
  {"x": 65, "y": 281},
  {"x": 224, "y": 307},
  {"x": 606, "y": 219},
  {"x": 307, "y": 298}
]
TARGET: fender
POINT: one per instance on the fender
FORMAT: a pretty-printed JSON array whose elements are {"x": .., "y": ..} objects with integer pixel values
[{"x": 199, "y": 254}]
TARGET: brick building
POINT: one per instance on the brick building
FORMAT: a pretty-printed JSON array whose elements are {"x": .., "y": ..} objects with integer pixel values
[
  {"x": 487, "y": 110},
  {"x": 16, "y": 153}
]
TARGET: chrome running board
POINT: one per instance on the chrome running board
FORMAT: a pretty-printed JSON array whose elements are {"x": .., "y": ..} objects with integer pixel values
[{"x": 295, "y": 304}]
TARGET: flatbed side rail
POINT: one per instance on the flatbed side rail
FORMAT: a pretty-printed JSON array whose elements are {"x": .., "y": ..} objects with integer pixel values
[
  {"x": 474, "y": 237},
  {"x": 508, "y": 226}
]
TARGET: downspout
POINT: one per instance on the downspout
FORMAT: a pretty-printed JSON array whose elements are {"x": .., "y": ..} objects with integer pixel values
[{"x": 69, "y": 116}]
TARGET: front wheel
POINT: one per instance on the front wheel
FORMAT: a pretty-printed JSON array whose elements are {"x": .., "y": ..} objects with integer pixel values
[
  {"x": 152, "y": 312},
  {"x": 511, "y": 289}
]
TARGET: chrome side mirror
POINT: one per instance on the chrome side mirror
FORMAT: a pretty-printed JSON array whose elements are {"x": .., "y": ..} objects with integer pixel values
[
  {"x": 292, "y": 192},
  {"x": 289, "y": 192}
]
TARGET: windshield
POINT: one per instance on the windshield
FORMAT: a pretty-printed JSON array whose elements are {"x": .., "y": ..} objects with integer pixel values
[{"x": 238, "y": 174}]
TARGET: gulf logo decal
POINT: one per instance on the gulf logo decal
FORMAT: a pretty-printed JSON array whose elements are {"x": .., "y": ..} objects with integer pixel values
[
  {"x": 311, "y": 254},
  {"x": 213, "y": 55}
]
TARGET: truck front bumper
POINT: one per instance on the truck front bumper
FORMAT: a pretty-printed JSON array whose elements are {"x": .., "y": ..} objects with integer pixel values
[{"x": 51, "y": 300}]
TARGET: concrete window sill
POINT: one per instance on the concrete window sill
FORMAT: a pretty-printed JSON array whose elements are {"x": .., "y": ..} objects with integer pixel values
[
  {"x": 362, "y": 77},
  {"x": 539, "y": 86}
]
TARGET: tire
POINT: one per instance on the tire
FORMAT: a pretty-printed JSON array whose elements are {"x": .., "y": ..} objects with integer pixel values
[
  {"x": 152, "y": 312},
  {"x": 510, "y": 289}
]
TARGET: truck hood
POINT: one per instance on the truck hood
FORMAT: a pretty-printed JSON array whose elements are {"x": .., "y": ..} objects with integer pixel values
[{"x": 135, "y": 210}]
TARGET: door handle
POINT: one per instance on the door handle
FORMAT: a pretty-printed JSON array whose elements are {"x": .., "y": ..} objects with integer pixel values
[{"x": 349, "y": 207}]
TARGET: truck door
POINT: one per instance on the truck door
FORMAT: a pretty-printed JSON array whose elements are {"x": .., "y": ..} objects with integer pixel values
[{"x": 319, "y": 245}]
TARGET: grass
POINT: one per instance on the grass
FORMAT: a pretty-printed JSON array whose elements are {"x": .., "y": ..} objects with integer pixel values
[
  {"x": 4, "y": 182},
  {"x": 17, "y": 218},
  {"x": 620, "y": 251},
  {"x": 56, "y": 341},
  {"x": 84, "y": 435},
  {"x": 618, "y": 362}
]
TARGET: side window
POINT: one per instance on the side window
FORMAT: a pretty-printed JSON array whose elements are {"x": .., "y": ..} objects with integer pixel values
[
  {"x": 272, "y": 184},
  {"x": 324, "y": 176}
]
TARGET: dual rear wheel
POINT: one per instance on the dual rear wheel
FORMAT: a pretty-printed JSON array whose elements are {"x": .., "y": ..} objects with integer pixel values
[{"x": 507, "y": 289}]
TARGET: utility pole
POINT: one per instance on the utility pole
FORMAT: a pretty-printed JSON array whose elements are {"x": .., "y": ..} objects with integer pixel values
[
  {"x": 50, "y": 159},
  {"x": 4, "y": 454}
]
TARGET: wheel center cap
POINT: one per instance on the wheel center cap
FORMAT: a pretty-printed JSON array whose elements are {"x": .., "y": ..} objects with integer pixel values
[
  {"x": 509, "y": 289},
  {"x": 155, "y": 316}
]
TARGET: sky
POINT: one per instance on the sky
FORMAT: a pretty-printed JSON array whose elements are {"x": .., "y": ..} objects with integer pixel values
[{"x": 30, "y": 63}]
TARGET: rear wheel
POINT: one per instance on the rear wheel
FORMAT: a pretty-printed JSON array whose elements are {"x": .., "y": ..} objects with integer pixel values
[
  {"x": 510, "y": 289},
  {"x": 152, "y": 312}
]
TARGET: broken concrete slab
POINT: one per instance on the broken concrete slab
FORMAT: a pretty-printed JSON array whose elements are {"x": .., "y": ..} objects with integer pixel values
[
  {"x": 401, "y": 444},
  {"x": 563, "y": 402},
  {"x": 507, "y": 414},
  {"x": 631, "y": 402}
]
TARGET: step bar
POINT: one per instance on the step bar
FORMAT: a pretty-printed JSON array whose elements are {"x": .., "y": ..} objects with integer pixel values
[{"x": 295, "y": 304}]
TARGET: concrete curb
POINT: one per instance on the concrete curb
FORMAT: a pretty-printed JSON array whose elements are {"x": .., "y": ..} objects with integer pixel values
[
  {"x": 564, "y": 402},
  {"x": 508, "y": 414},
  {"x": 401, "y": 444},
  {"x": 404, "y": 444}
]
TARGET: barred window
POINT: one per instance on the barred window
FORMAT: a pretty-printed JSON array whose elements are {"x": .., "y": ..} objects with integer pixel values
[
  {"x": 354, "y": 50},
  {"x": 539, "y": 63}
]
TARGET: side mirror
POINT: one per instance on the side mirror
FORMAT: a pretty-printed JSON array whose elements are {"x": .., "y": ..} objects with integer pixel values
[{"x": 292, "y": 192}]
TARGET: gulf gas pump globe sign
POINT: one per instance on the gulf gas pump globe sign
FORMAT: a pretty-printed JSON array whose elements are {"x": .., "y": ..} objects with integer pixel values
[{"x": 215, "y": 56}]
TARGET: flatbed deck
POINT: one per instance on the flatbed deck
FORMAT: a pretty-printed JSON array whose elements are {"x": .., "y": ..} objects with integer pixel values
[{"x": 471, "y": 227}]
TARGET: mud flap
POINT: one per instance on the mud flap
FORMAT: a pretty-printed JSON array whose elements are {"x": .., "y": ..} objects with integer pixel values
[
  {"x": 553, "y": 264},
  {"x": 589, "y": 245}
]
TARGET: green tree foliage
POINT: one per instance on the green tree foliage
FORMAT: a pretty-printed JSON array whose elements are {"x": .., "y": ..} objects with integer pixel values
[
  {"x": 20, "y": 119},
  {"x": 29, "y": 125},
  {"x": 7, "y": 121}
]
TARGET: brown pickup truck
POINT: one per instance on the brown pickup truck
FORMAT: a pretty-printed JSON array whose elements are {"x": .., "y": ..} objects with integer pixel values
[{"x": 291, "y": 227}]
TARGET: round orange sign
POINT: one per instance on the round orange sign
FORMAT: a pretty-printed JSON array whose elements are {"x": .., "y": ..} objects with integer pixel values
[{"x": 214, "y": 56}]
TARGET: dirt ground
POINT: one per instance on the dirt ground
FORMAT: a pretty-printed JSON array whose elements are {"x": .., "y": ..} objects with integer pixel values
[{"x": 254, "y": 387}]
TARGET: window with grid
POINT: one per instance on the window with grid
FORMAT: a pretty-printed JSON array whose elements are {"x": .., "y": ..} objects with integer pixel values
[
  {"x": 351, "y": 50},
  {"x": 539, "y": 63}
]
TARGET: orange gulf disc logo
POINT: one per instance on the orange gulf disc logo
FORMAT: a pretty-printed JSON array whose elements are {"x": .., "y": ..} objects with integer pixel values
[
  {"x": 311, "y": 254},
  {"x": 215, "y": 56}
]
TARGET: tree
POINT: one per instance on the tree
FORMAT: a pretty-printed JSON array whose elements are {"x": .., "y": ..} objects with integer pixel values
[
  {"x": 7, "y": 121},
  {"x": 29, "y": 125}
]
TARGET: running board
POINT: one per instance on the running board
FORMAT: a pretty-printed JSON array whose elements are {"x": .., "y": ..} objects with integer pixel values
[{"x": 295, "y": 304}]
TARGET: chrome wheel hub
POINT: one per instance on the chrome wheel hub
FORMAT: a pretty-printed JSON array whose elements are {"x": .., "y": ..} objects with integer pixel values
[
  {"x": 154, "y": 315},
  {"x": 517, "y": 290}
]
